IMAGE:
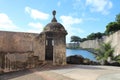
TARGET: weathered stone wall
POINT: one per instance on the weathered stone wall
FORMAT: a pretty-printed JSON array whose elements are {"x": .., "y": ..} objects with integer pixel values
[
  {"x": 39, "y": 46},
  {"x": 20, "y": 50},
  {"x": 91, "y": 43},
  {"x": 17, "y": 61},
  {"x": 114, "y": 39},
  {"x": 16, "y": 41},
  {"x": 59, "y": 50}
]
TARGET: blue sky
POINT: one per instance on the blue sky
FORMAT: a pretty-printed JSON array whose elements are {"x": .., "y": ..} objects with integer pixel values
[{"x": 79, "y": 17}]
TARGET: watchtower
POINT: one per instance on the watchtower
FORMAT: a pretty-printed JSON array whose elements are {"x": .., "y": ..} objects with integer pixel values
[{"x": 55, "y": 41}]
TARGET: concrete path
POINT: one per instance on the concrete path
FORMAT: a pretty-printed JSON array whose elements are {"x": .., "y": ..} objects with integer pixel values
[
  {"x": 83, "y": 72},
  {"x": 112, "y": 76},
  {"x": 72, "y": 72}
]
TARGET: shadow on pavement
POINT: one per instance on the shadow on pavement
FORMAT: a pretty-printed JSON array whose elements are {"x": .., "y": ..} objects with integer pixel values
[{"x": 11, "y": 75}]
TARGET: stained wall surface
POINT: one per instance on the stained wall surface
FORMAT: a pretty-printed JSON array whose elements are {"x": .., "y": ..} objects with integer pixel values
[
  {"x": 59, "y": 50},
  {"x": 20, "y": 50},
  {"x": 16, "y": 42}
]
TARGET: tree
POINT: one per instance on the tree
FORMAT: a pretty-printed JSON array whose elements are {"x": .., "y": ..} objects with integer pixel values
[
  {"x": 99, "y": 35},
  {"x": 112, "y": 27},
  {"x": 104, "y": 52},
  {"x": 95, "y": 35},
  {"x": 91, "y": 36},
  {"x": 118, "y": 18},
  {"x": 83, "y": 39},
  {"x": 116, "y": 58},
  {"x": 75, "y": 39}
]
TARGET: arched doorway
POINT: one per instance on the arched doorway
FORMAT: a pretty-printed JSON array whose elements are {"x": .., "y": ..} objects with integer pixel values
[{"x": 49, "y": 49}]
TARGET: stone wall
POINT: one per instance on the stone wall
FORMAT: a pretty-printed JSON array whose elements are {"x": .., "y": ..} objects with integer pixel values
[
  {"x": 16, "y": 41},
  {"x": 39, "y": 46},
  {"x": 17, "y": 61},
  {"x": 91, "y": 43},
  {"x": 114, "y": 39},
  {"x": 59, "y": 50},
  {"x": 20, "y": 50}
]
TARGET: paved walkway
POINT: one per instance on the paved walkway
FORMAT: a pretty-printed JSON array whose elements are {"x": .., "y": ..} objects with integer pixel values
[
  {"x": 112, "y": 76},
  {"x": 83, "y": 72},
  {"x": 72, "y": 72}
]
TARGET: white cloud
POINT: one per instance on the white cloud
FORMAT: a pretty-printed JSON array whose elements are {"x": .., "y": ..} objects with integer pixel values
[
  {"x": 35, "y": 14},
  {"x": 69, "y": 24},
  {"x": 68, "y": 20},
  {"x": 102, "y": 6},
  {"x": 6, "y": 23},
  {"x": 59, "y": 3},
  {"x": 36, "y": 27}
]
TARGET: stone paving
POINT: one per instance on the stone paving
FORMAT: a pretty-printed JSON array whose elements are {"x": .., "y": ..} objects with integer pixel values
[
  {"x": 84, "y": 72},
  {"x": 72, "y": 72},
  {"x": 112, "y": 76}
]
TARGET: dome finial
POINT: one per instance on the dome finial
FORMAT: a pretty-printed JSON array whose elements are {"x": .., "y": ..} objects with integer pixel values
[
  {"x": 54, "y": 19},
  {"x": 54, "y": 12}
]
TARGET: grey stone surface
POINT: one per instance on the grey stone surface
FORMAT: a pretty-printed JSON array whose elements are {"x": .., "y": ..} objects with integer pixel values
[{"x": 112, "y": 76}]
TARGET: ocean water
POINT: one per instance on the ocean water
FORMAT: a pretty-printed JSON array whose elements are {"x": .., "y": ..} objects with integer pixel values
[{"x": 83, "y": 53}]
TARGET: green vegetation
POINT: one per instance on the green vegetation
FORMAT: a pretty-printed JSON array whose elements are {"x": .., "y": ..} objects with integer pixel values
[
  {"x": 116, "y": 58},
  {"x": 110, "y": 28},
  {"x": 95, "y": 36},
  {"x": 83, "y": 39},
  {"x": 118, "y": 18},
  {"x": 105, "y": 52},
  {"x": 75, "y": 39},
  {"x": 92, "y": 36},
  {"x": 113, "y": 26}
]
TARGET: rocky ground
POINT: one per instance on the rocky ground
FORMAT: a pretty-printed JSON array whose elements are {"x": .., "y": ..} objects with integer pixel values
[{"x": 69, "y": 72}]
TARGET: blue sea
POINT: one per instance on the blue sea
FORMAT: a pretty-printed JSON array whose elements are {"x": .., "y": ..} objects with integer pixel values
[{"x": 83, "y": 53}]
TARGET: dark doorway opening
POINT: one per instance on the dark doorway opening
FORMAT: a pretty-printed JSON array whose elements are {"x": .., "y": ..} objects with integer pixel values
[{"x": 49, "y": 49}]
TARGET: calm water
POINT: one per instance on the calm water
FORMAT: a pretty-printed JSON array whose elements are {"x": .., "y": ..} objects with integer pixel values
[{"x": 83, "y": 53}]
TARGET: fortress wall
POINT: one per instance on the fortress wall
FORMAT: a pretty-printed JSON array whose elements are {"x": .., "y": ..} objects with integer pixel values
[
  {"x": 16, "y": 41},
  {"x": 39, "y": 46},
  {"x": 17, "y": 51},
  {"x": 91, "y": 43},
  {"x": 114, "y": 39}
]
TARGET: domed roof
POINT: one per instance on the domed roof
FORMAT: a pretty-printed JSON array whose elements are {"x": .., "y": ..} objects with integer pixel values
[{"x": 54, "y": 26}]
